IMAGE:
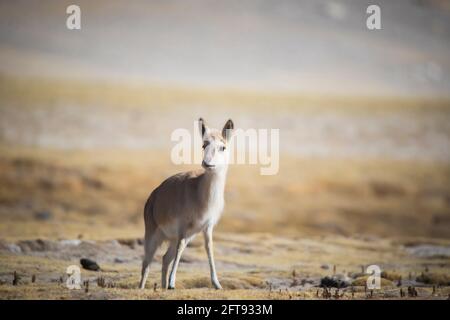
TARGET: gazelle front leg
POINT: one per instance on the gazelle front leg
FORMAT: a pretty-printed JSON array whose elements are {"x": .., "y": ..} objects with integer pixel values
[
  {"x": 180, "y": 247},
  {"x": 166, "y": 261},
  {"x": 209, "y": 250}
]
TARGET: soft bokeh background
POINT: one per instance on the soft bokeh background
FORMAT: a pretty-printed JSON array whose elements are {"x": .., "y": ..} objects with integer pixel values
[
  {"x": 86, "y": 115},
  {"x": 364, "y": 118}
]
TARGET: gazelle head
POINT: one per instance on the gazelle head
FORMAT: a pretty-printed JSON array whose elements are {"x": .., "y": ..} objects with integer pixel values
[{"x": 215, "y": 151}]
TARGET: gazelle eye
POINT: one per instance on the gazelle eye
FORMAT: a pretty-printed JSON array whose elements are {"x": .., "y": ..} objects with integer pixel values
[
  {"x": 222, "y": 148},
  {"x": 205, "y": 144}
]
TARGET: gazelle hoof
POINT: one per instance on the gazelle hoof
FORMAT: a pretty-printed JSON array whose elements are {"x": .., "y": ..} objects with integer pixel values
[{"x": 217, "y": 286}]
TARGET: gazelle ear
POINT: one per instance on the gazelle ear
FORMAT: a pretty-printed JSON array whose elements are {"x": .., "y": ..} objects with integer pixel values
[
  {"x": 227, "y": 130},
  {"x": 202, "y": 127}
]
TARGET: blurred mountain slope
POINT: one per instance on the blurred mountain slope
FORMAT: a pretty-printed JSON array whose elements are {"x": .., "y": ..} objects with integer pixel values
[{"x": 303, "y": 46}]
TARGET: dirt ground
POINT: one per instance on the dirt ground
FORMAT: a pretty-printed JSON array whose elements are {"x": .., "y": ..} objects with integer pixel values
[{"x": 256, "y": 266}]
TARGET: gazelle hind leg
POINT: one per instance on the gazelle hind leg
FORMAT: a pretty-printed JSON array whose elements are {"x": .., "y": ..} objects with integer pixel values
[
  {"x": 168, "y": 257},
  {"x": 151, "y": 243}
]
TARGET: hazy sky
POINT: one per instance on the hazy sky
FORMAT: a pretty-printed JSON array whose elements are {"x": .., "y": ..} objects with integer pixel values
[{"x": 306, "y": 46}]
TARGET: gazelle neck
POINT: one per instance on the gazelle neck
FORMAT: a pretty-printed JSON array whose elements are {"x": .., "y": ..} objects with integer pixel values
[{"x": 214, "y": 184}]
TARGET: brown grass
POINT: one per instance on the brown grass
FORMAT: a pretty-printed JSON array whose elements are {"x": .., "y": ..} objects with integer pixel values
[
  {"x": 51, "y": 92},
  {"x": 86, "y": 190}
]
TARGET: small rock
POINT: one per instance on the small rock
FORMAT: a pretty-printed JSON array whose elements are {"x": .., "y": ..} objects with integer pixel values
[
  {"x": 131, "y": 243},
  {"x": 115, "y": 243},
  {"x": 335, "y": 281},
  {"x": 43, "y": 215},
  {"x": 72, "y": 242},
  {"x": 14, "y": 248},
  {"x": 89, "y": 264},
  {"x": 325, "y": 266},
  {"x": 119, "y": 260},
  {"x": 429, "y": 251}
]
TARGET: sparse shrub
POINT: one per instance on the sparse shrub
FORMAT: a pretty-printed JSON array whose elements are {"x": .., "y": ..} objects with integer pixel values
[
  {"x": 101, "y": 282},
  {"x": 390, "y": 275},
  {"x": 386, "y": 189},
  {"x": 16, "y": 279},
  {"x": 362, "y": 281},
  {"x": 434, "y": 278},
  {"x": 200, "y": 282}
]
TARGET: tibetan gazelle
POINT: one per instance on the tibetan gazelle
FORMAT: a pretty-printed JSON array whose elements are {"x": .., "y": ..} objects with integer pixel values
[{"x": 185, "y": 204}]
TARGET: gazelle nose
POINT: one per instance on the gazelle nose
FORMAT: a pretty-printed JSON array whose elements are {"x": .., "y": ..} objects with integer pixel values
[{"x": 206, "y": 165}]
